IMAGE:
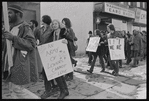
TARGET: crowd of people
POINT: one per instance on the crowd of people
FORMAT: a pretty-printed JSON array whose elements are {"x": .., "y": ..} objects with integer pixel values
[
  {"x": 27, "y": 65},
  {"x": 134, "y": 48}
]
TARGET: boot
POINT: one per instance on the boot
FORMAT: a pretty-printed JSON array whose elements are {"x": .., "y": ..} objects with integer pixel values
[
  {"x": 63, "y": 94},
  {"x": 63, "y": 87}
]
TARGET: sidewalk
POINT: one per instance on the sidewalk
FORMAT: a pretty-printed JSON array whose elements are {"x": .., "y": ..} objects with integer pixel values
[{"x": 131, "y": 84}]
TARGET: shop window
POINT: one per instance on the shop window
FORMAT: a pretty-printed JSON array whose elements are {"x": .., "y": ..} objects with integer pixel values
[
  {"x": 138, "y": 4},
  {"x": 122, "y": 2},
  {"x": 129, "y": 3},
  {"x": 143, "y": 4}
]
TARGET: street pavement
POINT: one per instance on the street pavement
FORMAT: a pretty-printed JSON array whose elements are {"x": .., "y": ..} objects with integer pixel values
[{"x": 130, "y": 84}]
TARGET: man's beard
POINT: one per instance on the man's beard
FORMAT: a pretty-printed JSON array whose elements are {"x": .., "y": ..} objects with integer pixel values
[{"x": 13, "y": 19}]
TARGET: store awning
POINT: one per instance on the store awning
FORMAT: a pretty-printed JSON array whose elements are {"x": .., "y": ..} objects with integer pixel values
[{"x": 114, "y": 9}]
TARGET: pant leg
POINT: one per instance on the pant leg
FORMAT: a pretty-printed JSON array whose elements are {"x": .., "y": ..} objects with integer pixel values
[
  {"x": 93, "y": 63},
  {"x": 111, "y": 63},
  {"x": 61, "y": 83},
  {"x": 102, "y": 61},
  {"x": 120, "y": 63},
  {"x": 116, "y": 69},
  {"x": 47, "y": 83},
  {"x": 90, "y": 57},
  {"x": 135, "y": 58}
]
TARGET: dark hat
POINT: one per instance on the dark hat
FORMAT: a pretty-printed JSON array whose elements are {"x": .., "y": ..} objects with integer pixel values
[{"x": 16, "y": 7}]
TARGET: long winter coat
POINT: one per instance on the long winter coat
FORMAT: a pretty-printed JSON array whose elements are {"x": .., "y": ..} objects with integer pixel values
[{"x": 24, "y": 69}]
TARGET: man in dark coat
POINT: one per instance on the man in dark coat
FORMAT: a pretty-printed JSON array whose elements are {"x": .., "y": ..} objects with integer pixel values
[
  {"x": 137, "y": 47},
  {"x": 23, "y": 50}
]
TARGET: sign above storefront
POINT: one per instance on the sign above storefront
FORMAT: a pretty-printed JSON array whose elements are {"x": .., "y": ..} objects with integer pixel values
[
  {"x": 140, "y": 16},
  {"x": 114, "y": 9}
]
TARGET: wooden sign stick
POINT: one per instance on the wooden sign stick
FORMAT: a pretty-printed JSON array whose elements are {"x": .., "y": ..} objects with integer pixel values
[{"x": 6, "y": 23}]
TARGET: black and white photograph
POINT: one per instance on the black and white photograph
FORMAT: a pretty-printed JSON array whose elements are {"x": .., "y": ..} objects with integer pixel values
[{"x": 74, "y": 50}]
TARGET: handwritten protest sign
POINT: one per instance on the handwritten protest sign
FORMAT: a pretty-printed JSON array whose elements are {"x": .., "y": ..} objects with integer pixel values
[
  {"x": 55, "y": 59},
  {"x": 116, "y": 48},
  {"x": 93, "y": 44}
]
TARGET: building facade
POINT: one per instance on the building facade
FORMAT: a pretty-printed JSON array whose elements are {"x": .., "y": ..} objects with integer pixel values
[
  {"x": 88, "y": 16},
  {"x": 124, "y": 15}
]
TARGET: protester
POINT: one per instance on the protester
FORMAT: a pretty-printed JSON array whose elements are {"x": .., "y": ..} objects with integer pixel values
[
  {"x": 22, "y": 46},
  {"x": 143, "y": 45},
  {"x": 129, "y": 40},
  {"x": 33, "y": 24},
  {"x": 71, "y": 47},
  {"x": 43, "y": 35},
  {"x": 144, "y": 41},
  {"x": 57, "y": 34},
  {"x": 113, "y": 63},
  {"x": 99, "y": 52},
  {"x": 105, "y": 48},
  {"x": 90, "y": 56},
  {"x": 137, "y": 47}
]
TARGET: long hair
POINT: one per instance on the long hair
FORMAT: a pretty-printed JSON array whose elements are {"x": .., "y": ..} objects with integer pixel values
[
  {"x": 59, "y": 23},
  {"x": 67, "y": 22}
]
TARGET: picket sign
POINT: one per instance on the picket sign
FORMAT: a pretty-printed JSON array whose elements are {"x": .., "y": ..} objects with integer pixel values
[
  {"x": 116, "y": 48},
  {"x": 55, "y": 59},
  {"x": 93, "y": 44},
  {"x": 6, "y": 23}
]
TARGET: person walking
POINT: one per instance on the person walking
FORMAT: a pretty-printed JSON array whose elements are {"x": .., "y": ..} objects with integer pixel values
[
  {"x": 42, "y": 34},
  {"x": 60, "y": 33},
  {"x": 90, "y": 56},
  {"x": 71, "y": 48},
  {"x": 23, "y": 49},
  {"x": 129, "y": 40},
  {"x": 113, "y": 63},
  {"x": 137, "y": 47},
  {"x": 99, "y": 53}
]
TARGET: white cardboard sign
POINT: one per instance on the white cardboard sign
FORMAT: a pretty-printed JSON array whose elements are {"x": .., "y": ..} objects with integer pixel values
[
  {"x": 116, "y": 48},
  {"x": 55, "y": 59},
  {"x": 93, "y": 44}
]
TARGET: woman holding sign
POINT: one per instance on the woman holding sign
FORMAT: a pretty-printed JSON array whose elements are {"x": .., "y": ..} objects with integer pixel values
[{"x": 60, "y": 33}]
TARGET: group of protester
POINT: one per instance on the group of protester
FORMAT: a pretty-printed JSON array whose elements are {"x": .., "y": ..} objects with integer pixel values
[
  {"x": 134, "y": 47},
  {"x": 27, "y": 64}
]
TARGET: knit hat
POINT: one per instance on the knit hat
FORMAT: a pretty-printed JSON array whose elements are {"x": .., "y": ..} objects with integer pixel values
[{"x": 16, "y": 7}]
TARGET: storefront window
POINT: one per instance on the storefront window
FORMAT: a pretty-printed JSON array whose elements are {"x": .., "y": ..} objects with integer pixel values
[
  {"x": 143, "y": 4},
  {"x": 138, "y": 4}
]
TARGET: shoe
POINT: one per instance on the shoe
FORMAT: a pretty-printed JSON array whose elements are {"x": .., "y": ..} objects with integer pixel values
[
  {"x": 75, "y": 64},
  {"x": 63, "y": 94},
  {"x": 110, "y": 68},
  {"x": 134, "y": 66},
  {"x": 120, "y": 67},
  {"x": 46, "y": 95},
  {"x": 89, "y": 71},
  {"x": 114, "y": 73},
  {"x": 102, "y": 70}
]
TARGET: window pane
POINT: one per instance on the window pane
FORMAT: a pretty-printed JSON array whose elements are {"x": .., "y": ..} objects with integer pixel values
[
  {"x": 143, "y": 4},
  {"x": 122, "y": 2},
  {"x": 138, "y": 4}
]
